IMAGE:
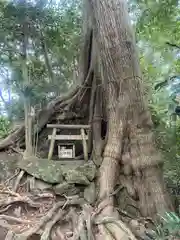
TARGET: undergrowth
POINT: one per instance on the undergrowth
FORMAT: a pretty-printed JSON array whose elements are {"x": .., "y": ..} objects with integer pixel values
[
  {"x": 4, "y": 126},
  {"x": 169, "y": 228}
]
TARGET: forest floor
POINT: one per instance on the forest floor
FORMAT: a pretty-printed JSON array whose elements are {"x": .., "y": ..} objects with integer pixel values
[
  {"x": 21, "y": 211},
  {"x": 27, "y": 214}
]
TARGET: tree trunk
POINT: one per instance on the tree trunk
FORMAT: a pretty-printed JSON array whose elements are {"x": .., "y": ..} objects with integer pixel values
[
  {"x": 130, "y": 145},
  {"x": 26, "y": 82},
  {"x": 46, "y": 57}
]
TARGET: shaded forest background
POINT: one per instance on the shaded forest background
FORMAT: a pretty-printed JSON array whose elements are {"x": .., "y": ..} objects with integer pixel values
[{"x": 54, "y": 32}]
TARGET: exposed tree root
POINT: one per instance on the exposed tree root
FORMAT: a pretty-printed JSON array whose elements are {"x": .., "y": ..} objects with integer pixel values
[
  {"x": 84, "y": 226},
  {"x": 9, "y": 192},
  {"x": 43, "y": 195},
  {"x": 115, "y": 227},
  {"x": 4, "y": 209},
  {"x": 19, "y": 177},
  {"x": 47, "y": 220},
  {"x": 13, "y": 176},
  {"x": 14, "y": 219},
  {"x": 47, "y": 232},
  {"x": 10, "y": 235},
  {"x": 61, "y": 236},
  {"x": 7, "y": 202},
  {"x": 80, "y": 228}
]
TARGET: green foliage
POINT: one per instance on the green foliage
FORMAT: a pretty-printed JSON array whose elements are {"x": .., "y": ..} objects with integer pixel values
[
  {"x": 57, "y": 26},
  {"x": 157, "y": 23},
  {"x": 169, "y": 227},
  {"x": 4, "y": 126},
  {"x": 178, "y": 137},
  {"x": 168, "y": 141}
]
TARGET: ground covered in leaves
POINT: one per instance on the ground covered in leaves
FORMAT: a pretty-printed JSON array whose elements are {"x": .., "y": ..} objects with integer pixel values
[
  {"x": 36, "y": 195},
  {"x": 42, "y": 201},
  {"x": 26, "y": 214}
]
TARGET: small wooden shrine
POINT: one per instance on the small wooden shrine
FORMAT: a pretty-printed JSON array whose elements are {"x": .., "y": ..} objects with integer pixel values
[{"x": 66, "y": 143}]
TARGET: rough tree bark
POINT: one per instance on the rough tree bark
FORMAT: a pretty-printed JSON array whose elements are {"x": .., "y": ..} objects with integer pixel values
[{"x": 130, "y": 145}]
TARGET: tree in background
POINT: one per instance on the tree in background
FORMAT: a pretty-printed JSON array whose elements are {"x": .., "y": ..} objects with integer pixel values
[{"x": 51, "y": 55}]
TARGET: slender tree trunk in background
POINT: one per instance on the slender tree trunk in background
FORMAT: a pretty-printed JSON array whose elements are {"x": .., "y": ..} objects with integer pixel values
[
  {"x": 173, "y": 119},
  {"x": 28, "y": 127},
  {"x": 27, "y": 101},
  {"x": 130, "y": 146},
  {"x": 46, "y": 57}
]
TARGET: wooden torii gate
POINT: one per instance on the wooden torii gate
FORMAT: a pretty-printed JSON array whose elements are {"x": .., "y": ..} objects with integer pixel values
[{"x": 81, "y": 137}]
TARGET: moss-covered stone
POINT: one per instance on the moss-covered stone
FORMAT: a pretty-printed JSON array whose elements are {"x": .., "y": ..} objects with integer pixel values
[
  {"x": 88, "y": 170},
  {"x": 66, "y": 188},
  {"x": 74, "y": 176},
  {"x": 54, "y": 172},
  {"x": 39, "y": 184},
  {"x": 48, "y": 171}
]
